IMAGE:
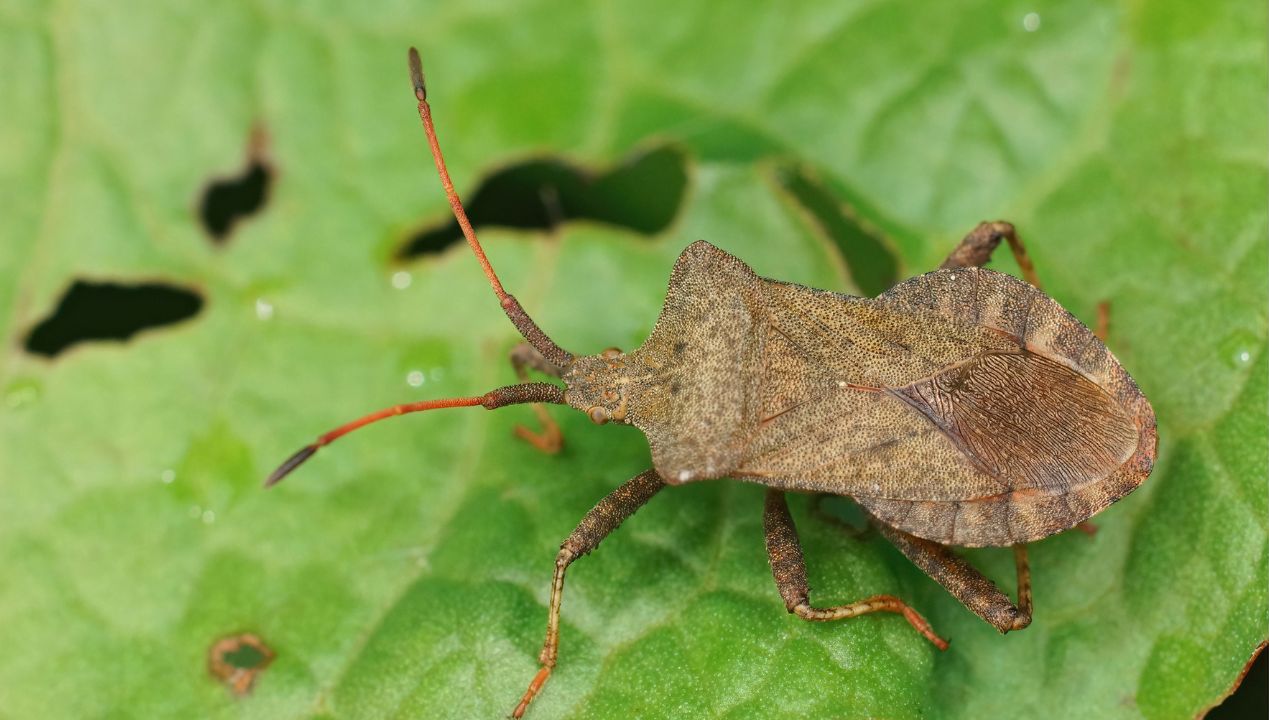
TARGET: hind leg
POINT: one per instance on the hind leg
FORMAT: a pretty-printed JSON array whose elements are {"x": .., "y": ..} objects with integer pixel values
[
  {"x": 976, "y": 248},
  {"x": 966, "y": 583}
]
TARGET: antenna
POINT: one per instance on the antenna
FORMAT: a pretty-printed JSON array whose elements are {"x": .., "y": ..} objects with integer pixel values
[
  {"x": 509, "y": 395},
  {"x": 553, "y": 353}
]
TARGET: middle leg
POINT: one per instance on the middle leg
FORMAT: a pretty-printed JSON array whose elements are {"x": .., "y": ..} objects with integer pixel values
[{"x": 789, "y": 570}]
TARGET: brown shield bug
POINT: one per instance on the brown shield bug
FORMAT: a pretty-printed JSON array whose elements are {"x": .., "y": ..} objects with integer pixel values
[{"x": 960, "y": 407}]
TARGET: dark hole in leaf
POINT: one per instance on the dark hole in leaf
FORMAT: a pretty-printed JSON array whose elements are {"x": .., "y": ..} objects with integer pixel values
[
  {"x": 870, "y": 262},
  {"x": 642, "y": 194},
  {"x": 227, "y": 201},
  {"x": 237, "y": 660},
  {"x": 109, "y": 311},
  {"x": 1251, "y": 698},
  {"x": 246, "y": 657}
]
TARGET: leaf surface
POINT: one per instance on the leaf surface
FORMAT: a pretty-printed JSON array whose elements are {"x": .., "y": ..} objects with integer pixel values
[{"x": 404, "y": 572}]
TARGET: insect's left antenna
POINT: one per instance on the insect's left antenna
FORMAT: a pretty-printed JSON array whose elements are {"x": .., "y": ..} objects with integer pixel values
[{"x": 554, "y": 354}]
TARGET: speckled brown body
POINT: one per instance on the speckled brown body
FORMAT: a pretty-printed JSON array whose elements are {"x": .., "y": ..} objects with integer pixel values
[{"x": 962, "y": 406}]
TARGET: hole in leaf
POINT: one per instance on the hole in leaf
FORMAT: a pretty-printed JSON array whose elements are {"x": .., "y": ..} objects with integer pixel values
[
  {"x": 642, "y": 194},
  {"x": 92, "y": 311},
  {"x": 245, "y": 657},
  {"x": 237, "y": 660},
  {"x": 228, "y": 201},
  {"x": 869, "y": 261},
  {"x": 1249, "y": 697}
]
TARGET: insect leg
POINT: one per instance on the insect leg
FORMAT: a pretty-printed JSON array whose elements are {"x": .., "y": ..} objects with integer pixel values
[
  {"x": 976, "y": 249},
  {"x": 789, "y": 569},
  {"x": 605, "y": 517},
  {"x": 524, "y": 357},
  {"x": 966, "y": 583}
]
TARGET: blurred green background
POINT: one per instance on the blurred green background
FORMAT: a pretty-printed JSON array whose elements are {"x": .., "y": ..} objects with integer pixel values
[{"x": 246, "y": 183}]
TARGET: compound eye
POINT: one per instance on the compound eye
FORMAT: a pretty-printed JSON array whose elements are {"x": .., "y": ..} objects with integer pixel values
[{"x": 598, "y": 415}]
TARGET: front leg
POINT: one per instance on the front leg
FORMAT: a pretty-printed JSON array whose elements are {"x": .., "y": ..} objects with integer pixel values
[
  {"x": 602, "y": 519},
  {"x": 524, "y": 357}
]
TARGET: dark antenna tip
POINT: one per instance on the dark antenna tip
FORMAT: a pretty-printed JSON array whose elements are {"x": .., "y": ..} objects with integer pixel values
[
  {"x": 291, "y": 463},
  {"x": 416, "y": 75}
]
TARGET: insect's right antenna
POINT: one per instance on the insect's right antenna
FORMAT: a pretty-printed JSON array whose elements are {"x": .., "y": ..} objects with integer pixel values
[
  {"x": 554, "y": 354},
  {"x": 509, "y": 395}
]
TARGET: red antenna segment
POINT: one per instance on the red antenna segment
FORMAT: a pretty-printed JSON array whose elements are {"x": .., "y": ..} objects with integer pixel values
[
  {"x": 554, "y": 354},
  {"x": 509, "y": 395}
]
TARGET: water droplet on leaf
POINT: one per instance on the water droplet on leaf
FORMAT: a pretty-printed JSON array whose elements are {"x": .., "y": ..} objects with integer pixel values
[
  {"x": 264, "y": 309},
  {"x": 1237, "y": 350}
]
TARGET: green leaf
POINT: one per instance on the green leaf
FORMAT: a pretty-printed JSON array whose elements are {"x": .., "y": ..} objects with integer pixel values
[{"x": 404, "y": 572}]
